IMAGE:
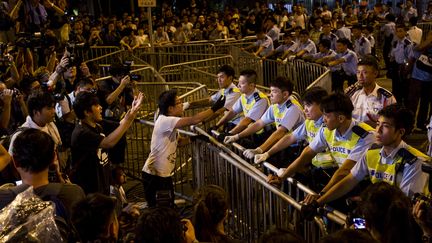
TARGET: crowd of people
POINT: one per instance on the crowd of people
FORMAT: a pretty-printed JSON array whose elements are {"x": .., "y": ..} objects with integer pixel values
[{"x": 64, "y": 134}]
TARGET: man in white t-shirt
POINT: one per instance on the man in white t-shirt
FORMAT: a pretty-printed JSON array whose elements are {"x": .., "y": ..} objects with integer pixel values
[{"x": 160, "y": 163}]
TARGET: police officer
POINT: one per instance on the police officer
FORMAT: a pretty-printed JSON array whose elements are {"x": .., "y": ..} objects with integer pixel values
[
  {"x": 252, "y": 102},
  {"x": 346, "y": 139},
  {"x": 362, "y": 46},
  {"x": 305, "y": 46},
  {"x": 285, "y": 113},
  {"x": 328, "y": 35},
  {"x": 264, "y": 44},
  {"x": 225, "y": 77},
  {"x": 287, "y": 44},
  {"x": 343, "y": 65},
  {"x": 324, "y": 51},
  {"x": 366, "y": 95},
  {"x": 368, "y": 33},
  {"x": 399, "y": 71},
  {"x": 390, "y": 160},
  {"x": 323, "y": 164}
]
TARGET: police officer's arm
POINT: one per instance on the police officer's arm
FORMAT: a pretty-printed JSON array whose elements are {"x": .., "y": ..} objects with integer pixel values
[
  {"x": 255, "y": 127},
  {"x": 197, "y": 118},
  {"x": 274, "y": 137},
  {"x": 336, "y": 62},
  {"x": 112, "y": 139},
  {"x": 301, "y": 53},
  {"x": 242, "y": 125},
  {"x": 227, "y": 117},
  {"x": 113, "y": 95},
  {"x": 340, "y": 173},
  {"x": 305, "y": 158},
  {"x": 260, "y": 49},
  {"x": 283, "y": 143}
]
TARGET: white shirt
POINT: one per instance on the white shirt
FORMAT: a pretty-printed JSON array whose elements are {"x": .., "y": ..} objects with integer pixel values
[
  {"x": 415, "y": 34},
  {"x": 366, "y": 107},
  {"x": 162, "y": 157}
]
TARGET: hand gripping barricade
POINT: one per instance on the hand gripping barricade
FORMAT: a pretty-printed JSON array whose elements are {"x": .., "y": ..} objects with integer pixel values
[{"x": 255, "y": 204}]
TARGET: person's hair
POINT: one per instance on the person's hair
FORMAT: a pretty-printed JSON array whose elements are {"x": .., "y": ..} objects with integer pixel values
[
  {"x": 84, "y": 102},
  {"x": 250, "y": 75},
  {"x": 38, "y": 100},
  {"x": 228, "y": 70},
  {"x": 166, "y": 99},
  {"x": 304, "y": 32},
  {"x": 401, "y": 26},
  {"x": 210, "y": 208},
  {"x": 344, "y": 41},
  {"x": 349, "y": 236},
  {"x": 326, "y": 43},
  {"x": 401, "y": 116},
  {"x": 116, "y": 172},
  {"x": 338, "y": 103},
  {"x": 390, "y": 17},
  {"x": 280, "y": 235},
  {"x": 260, "y": 31},
  {"x": 84, "y": 82},
  {"x": 26, "y": 83},
  {"x": 386, "y": 210},
  {"x": 283, "y": 84},
  {"x": 326, "y": 22},
  {"x": 369, "y": 60},
  {"x": 413, "y": 20},
  {"x": 92, "y": 216},
  {"x": 159, "y": 225},
  {"x": 33, "y": 150},
  {"x": 314, "y": 95}
]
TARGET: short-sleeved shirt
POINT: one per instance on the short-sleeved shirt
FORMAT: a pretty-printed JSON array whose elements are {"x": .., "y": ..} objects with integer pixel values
[
  {"x": 257, "y": 109},
  {"x": 319, "y": 55},
  {"x": 232, "y": 94},
  {"x": 343, "y": 146},
  {"x": 90, "y": 164},
  {"x": 308, "y": 46},
  {"x": 162, "y": 157},
  {"x": 362, "y": 46},
  {"x": 267, "y": 43},
  {"x": 402, "y": 51},
  {"x": 351, "y": 61},
  {"x": 292, "y": 114},
  {"x": 285, "y": 47},
  {"x": 301, "y": 133},
  {"x": 419, "y": 73},
  {"x": 273, "y": 33},
  {"x": 366, "y": 107},
  {"x": 344, "y": 32},
  {"x": 389, "y": 29},
  {"x": 413, "y": 179},
  {"x": 332, "y": 38}
]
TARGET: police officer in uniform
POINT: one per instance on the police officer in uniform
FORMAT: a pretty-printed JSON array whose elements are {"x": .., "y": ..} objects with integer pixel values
[
  {"x": 285, "y": 114},
  {"x": 252, "y": 103},
  {"x": 390, "y": 159},
  {"x": 323, "y": 165},
  {"x": 328, "y": 35},
  {"x": 343, "y": 65},
  {"x": 225, "y": 77},
  {"x": 362, "y": 46},
  {"x": 366, "y": 95},
  {"x": 345, "y": 138},
  {"x": 399, "y": 71}
]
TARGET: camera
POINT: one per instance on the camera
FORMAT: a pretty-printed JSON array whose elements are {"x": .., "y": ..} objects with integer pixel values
[
  {"x": 35, "y": 40},
  {"x": 71, "y": 47},
  {"x": 123, "y": 70}
]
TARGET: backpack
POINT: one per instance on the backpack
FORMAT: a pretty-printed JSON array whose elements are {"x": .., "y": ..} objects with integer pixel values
[
  {"x": 9, "y": 174},
  {"x": 61, "y": 217}
]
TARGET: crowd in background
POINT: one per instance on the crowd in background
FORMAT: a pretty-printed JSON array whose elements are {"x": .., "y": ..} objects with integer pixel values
[{"x": 44, "y": 87}]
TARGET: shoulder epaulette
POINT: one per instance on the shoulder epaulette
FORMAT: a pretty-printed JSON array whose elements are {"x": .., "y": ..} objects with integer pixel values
[
  {"x": 257, "y": 97},
  {"x": 360, "y": 131},
  {"x": 407, "y": 156},
  {"x": 288, "y": 103},
  {"x": 375, "y": 146},
  {"x": 385, "y": 92}
]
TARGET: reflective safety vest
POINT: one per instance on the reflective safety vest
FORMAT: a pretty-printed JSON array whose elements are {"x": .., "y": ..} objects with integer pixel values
[
  {"x": 321, "y": 160},
  {"x": 278, "y": 115},
  {"x": 391, "y": 173},
  {"x": 247, "y": 107},
  {"x": 341, "y": 149},
  {"x": 234, "y": 89}
]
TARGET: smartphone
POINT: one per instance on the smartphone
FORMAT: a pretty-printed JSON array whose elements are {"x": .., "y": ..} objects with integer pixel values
[
  {"x": 18, "y": 182},
  {"x": 359, "y": 223}
]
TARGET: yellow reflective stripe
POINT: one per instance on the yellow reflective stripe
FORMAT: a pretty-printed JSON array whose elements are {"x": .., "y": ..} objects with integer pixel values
[
  {"x": 247, "y": 107},
  {"x": 340, "y": 149},
  {"x": 378, "y": 171},
  {"x": 278, "y": 115},
  {"x": 322, "y": 160}
]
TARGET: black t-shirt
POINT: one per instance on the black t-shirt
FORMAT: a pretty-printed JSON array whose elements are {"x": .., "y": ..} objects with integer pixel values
[
  {"x": 90, "y": 165},
  {"x": 116, "y": 109}
]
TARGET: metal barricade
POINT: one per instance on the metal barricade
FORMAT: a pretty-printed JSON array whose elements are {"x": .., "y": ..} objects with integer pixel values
[
  {"x": 245, "y": 60},
  {"x": 160, "y": 59},
  {"x": 305, "y": 73},
  {"x": 139, "y": 135},
  {"x": 211, "y": 65},
  {"x": 324, "y": 81},
  {"x": 426, "y": 28},
  {"x": 255, "y": 204}
]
